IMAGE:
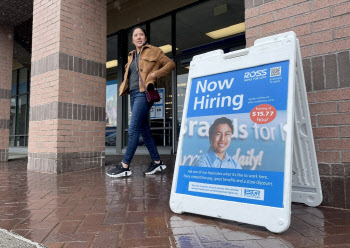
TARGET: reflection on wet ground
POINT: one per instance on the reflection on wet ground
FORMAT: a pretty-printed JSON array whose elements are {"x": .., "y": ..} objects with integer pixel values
[{"x": 87, "y": 209}]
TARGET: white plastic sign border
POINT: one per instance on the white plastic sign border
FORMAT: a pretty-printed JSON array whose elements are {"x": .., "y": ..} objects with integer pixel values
[
  {"x": 272, "y": 49},
  {"x": 306, "y": 185}
]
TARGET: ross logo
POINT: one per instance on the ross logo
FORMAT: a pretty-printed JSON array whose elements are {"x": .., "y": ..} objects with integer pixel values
[
  {"x": 259, "y": 74},
  {"x": 252, "y": 193}
]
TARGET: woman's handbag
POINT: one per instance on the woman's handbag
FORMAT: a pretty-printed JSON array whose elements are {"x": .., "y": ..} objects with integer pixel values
[{"x": 151, "y": 95}]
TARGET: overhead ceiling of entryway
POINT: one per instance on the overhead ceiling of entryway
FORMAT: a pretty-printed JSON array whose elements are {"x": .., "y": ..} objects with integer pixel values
[
  {"x": 19, "y": 14},
  {"x": 15, "y": 12}
]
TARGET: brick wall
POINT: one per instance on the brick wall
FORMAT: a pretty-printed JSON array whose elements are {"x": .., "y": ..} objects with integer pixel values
[
  {"x": 6, "y": 54},
  {"x": 323, "y": 30},
  {"x": 68, "y": 86}
]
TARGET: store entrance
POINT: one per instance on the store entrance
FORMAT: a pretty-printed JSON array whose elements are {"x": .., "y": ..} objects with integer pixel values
[{"x": 181, "y": 34}]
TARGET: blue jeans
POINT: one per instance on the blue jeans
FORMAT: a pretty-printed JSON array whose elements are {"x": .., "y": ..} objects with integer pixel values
[{"x": 139, "y": 125}]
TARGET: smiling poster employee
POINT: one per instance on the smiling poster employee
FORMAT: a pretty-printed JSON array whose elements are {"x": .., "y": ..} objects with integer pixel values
[
  {"x": 149, "y": 63},
  {"x": 220, "y": 134}
]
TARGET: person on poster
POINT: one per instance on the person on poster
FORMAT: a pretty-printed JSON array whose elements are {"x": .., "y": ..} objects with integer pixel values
[{"x": 220, "y": 134}]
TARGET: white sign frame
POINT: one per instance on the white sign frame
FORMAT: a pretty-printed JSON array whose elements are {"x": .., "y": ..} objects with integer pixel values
[{"x": 299, "y": 138}]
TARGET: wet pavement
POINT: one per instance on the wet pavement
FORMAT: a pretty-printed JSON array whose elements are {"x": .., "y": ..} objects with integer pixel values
[{"x": 88, "y": 209}]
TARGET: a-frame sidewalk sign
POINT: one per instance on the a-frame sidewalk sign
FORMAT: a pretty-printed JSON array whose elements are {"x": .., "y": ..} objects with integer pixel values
[{"x": 246, "y": 148}]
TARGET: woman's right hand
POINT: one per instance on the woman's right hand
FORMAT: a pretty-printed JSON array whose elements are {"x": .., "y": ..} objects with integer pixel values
[{"x": 153, "y": 75}]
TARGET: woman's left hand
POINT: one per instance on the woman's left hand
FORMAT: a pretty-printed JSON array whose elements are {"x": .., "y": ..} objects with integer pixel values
[{"x": 154, "y": 77}]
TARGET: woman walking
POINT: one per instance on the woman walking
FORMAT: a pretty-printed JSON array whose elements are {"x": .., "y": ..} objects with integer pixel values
[{"x": 145, "y": 65}]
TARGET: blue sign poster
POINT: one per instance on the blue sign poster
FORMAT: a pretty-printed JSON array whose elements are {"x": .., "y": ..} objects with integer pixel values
[{"x": 234, "y": 142}]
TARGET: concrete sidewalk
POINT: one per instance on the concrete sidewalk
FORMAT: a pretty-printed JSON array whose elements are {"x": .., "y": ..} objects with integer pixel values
[
  {"x": 88, "y": 209},
  {"x": 12, "y": 240}
]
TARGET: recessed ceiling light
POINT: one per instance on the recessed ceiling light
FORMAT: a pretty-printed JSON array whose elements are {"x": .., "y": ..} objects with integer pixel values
[
  {"x": 230, "y": 30},
  {"x": 112, "y": 63},
  {"x": 167, "y": 48}
]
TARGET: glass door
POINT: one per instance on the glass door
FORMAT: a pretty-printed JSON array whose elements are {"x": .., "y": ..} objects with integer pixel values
[
  {"x": 161, "y": 116},
  {"x": 161, "y": 113},
  {"x": 182, "y": 70}
]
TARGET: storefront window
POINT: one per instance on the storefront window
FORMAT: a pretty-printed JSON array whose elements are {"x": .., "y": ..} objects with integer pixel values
[
  {"x": 111, "y": 90},
  {"x": 13, "y": 116},
  {"x": 161, "y": 113},
  {"x": 160, "y": 34},
  {"x": 23, "y": 81},
  {"x": 208, "y": 22},
  {"x": 111, "y": 104},
  {"x": 14, "y": 83},
  {"x": 19, "y": 117},
  {"x": 182, "y": 76},
  {"x": 112, "y": 55}
]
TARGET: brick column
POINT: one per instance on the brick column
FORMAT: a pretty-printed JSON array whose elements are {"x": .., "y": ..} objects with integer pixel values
[
  {"x": 6, "y": 55},
  {"x": 68, "y": 86},
  {"x": 323, "y": 30}
]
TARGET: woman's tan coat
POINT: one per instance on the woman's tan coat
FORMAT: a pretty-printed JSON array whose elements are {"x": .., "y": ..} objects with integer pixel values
[{"x": 152, "y": 59}]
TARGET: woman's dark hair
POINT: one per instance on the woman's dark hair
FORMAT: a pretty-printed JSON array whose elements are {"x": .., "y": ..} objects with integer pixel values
[
  {"x": 143, "y": 30},
  {"x": 222, "y": 120}
]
